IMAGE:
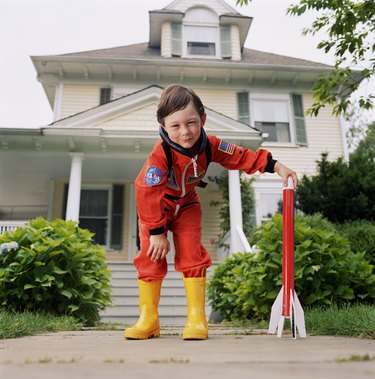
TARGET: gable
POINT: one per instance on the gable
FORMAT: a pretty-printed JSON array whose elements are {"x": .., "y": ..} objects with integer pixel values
[
  {"x": 143, "y": 118},
  {"x": 136, "y": 113}
]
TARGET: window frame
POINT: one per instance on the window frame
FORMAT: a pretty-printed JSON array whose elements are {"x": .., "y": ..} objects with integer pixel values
[{"x": 280, "y": 97}]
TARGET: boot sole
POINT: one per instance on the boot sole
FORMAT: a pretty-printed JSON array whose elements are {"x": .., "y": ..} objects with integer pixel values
[
  {"x": 138, "y": 336},
  {"x": 194, "y": 336}
]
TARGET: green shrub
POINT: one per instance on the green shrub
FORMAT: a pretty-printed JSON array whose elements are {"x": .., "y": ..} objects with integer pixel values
[
  {"x": 342, "y": 190},
  {"x": 361, "y": 235},
  {"x": 53, "y": 267},
  {"x": 326, "y": 271}
]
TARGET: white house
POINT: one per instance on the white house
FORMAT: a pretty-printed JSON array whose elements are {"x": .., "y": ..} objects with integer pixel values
[{"x": 82, "y": 166}]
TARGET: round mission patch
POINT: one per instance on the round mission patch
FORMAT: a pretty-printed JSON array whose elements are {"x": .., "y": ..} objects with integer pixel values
[{"x": 153, "y": 176}]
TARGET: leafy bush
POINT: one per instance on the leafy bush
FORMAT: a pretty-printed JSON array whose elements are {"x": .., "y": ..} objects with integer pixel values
[
  {"x": 341, "y": 190},
  {"x": 53, "y": 267},
  {"x": 326, "y": 271},
  {"x": 361, "y": 235}
]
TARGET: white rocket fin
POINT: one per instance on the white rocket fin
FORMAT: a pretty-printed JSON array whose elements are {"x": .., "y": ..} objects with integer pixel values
[
  {"x": 299, "y": 317},
  {"x": 276, "y": 313}
]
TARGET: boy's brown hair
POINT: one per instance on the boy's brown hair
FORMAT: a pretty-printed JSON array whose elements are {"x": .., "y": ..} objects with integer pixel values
[{"x": 175, "y": 98}]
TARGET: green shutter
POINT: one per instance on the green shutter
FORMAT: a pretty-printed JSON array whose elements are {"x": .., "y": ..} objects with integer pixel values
[
  {"x": 226, "y": 46},
  {"x": 117, "y": 216},
  {"x": 176, "y": 39},
  {"x": 299, "y": 120},
  {"x": 243, "y": 107}
]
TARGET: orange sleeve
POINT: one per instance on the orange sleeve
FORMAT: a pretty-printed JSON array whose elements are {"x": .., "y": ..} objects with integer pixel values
[
  {"x": 235, "y": 157},
  {"x": 150, "y": 186}
]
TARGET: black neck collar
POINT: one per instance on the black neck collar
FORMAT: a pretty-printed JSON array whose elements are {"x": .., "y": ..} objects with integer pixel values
[{"x": 175, "y": 146}]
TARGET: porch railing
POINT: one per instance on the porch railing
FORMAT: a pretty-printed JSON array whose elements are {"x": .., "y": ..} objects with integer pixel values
[{"x": 6, "y": 226}]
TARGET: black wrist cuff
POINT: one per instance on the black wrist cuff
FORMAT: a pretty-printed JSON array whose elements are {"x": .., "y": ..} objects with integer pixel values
[
  {"x": 270, "y": 165},
  {"x": 156, "y": 231}
]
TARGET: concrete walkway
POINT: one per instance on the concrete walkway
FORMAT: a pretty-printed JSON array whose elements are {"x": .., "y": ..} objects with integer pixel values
[{"x": 228, "y": 353}]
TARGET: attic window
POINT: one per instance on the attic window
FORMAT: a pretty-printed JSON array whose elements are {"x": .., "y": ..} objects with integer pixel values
[{"x": 201, "y": 33}]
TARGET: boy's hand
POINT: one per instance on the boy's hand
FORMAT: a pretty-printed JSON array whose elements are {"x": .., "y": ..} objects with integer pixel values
[
  {"x": 284, "y": 172},
  {"x": 159, "y": 247}
]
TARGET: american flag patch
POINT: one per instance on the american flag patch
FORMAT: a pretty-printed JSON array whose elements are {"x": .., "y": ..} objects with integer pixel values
[{"x": 226, "y": 147}]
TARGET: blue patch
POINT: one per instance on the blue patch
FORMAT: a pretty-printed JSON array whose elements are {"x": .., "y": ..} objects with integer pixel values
[{"x": 153, "y": 176}]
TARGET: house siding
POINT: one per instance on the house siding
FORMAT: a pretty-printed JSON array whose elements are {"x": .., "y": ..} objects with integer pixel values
[
  {"x": 77, "y": 98},
  {"x": 220, "y": 100}
]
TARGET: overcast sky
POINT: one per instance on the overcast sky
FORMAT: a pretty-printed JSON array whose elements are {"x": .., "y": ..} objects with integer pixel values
[{"x": 44, "y": 27}]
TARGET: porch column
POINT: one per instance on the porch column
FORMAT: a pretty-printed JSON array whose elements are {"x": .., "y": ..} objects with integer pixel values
[
  {"x": 74, "y": 192},
  {"x": 235, "y": 211}
]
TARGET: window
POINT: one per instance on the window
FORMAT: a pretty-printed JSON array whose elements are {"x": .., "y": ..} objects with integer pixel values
[
  {"x": 272, "y": 117},
  {"x": 105, "y": 95},
  {"x": 279, "y": 116},
  {"x": 201, "y": 33},
  {"x": 101, "y": 212},
  {"x": 269, "y": 204},
  {"x": 94, "y": 213}
]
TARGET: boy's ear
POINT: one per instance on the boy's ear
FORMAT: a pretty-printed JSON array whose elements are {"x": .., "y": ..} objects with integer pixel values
[{"x": 203, "y": 118}]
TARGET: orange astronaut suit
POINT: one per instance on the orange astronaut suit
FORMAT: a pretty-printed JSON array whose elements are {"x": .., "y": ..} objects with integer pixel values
[{"x": 166, "y": 199}]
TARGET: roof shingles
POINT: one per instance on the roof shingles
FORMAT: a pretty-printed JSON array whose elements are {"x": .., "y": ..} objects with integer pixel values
[{"x": 143, "y": 51}]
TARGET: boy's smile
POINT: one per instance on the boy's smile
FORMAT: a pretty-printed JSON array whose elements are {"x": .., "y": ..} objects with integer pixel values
[{"x": 184, "y": 126}]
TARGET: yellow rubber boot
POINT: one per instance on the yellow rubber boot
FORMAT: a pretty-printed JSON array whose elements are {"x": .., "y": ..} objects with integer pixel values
[
  {"x": 148, "y": 322},
  {"x": 196, "y": 327}
]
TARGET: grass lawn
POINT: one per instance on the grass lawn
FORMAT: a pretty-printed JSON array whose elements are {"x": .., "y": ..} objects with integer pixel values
[
  {"x": 13, "y": 325},
  {"x": 356, "y": 320},
  {"x": 351, "y": 320}
]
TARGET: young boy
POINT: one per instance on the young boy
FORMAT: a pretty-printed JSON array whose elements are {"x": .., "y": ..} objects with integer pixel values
[{"x": 166, "y": 200}]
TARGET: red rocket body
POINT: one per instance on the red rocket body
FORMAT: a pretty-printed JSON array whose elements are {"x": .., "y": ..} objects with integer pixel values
[
  {"x": 288, "y": 249},
  {"x": 287, "y": 304}
]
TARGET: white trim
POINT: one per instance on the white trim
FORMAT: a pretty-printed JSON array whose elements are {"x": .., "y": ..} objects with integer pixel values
[
  {"x": 74, "y": 187},
  {"x": 58, "y": 100}
]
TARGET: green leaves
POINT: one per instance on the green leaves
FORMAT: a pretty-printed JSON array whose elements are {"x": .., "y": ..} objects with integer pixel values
[
  {"x": 350, "y": 29},
  {"x": 326, "y": 271},
  {"x": 56, "y": 269},
  {"x": 341, "y": 190}
]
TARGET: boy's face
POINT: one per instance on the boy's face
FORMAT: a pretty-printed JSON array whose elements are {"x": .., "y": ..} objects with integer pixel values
[{"x": 184, "y": 126}]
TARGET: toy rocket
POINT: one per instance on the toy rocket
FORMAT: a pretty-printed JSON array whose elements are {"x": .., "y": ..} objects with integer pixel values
[{"x": 287, "y": 304}]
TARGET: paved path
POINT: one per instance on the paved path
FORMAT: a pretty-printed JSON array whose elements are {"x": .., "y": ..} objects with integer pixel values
[{"x": 228, "y": 353}]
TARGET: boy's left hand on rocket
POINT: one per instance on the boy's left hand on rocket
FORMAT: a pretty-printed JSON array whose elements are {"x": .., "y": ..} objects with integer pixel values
[{"x": 284, "y": 172}]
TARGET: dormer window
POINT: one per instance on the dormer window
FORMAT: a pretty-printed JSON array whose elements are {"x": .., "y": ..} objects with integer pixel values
[{"x": 200, "y": 33}]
